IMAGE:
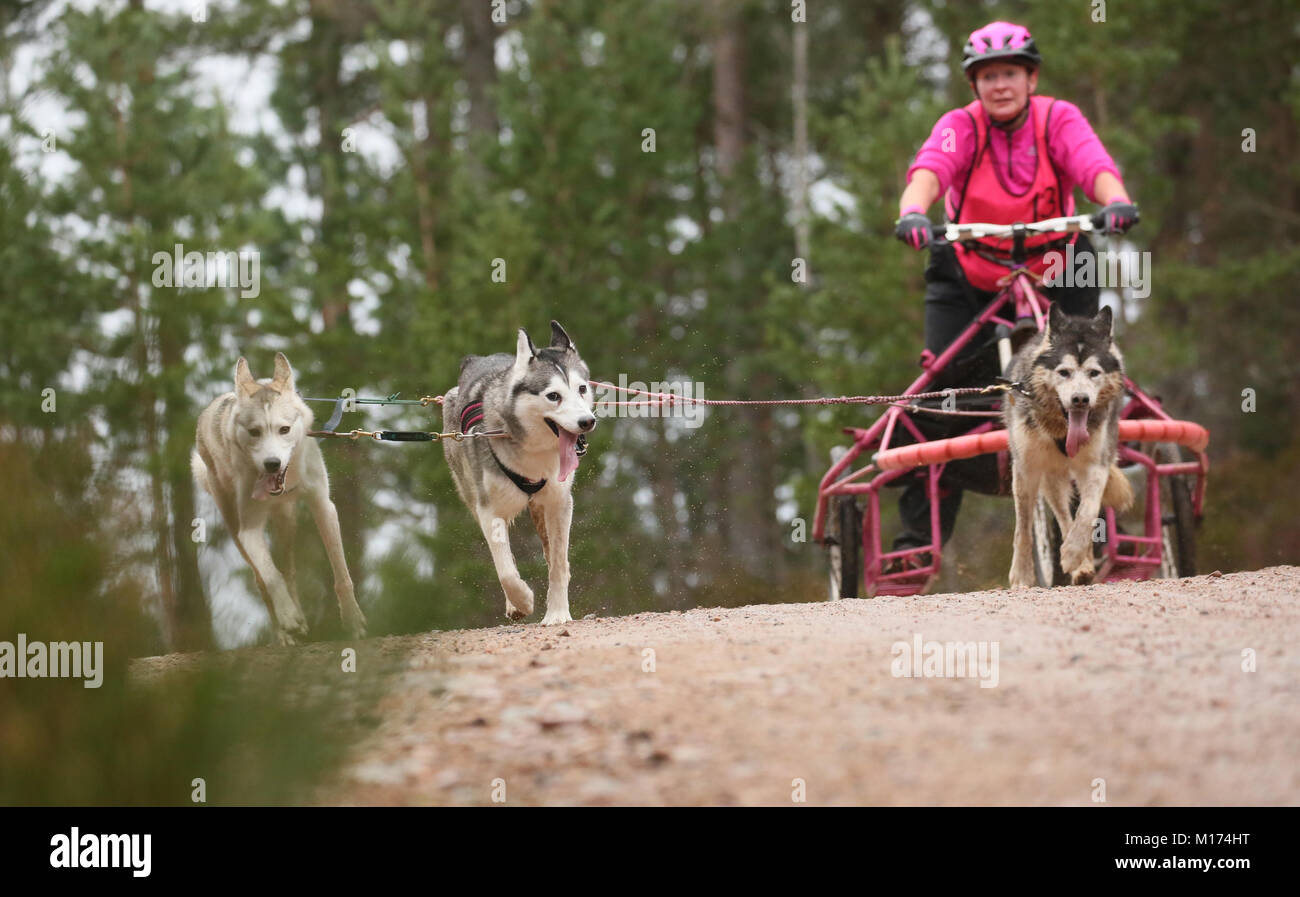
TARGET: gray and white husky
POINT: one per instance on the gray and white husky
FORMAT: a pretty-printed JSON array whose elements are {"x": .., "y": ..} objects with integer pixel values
[
  {"x": 1064, "y": 434},
  {"x": 253, "y": 455},
  {"x": 541, "y": 400}
]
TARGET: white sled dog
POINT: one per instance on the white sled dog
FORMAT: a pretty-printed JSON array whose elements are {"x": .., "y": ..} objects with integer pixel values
[
  {"x": 541, "y": 399},
  {"x": 254, "y": 457}
]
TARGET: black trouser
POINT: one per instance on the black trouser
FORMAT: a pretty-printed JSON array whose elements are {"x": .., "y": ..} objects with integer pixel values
[{"x": 951, "y": 303}]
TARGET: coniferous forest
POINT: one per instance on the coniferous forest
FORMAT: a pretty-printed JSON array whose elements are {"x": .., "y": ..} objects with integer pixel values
[{"x": 694, "y": 195}]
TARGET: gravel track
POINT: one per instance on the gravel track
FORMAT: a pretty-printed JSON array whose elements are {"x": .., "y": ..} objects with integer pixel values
[{"x": 1138, "y": 684}]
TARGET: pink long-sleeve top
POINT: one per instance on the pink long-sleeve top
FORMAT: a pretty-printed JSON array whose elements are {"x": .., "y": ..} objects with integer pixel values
[{"x": 1075, "y": 149}]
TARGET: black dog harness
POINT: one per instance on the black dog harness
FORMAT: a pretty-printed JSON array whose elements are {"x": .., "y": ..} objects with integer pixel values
[
  {"x": 471, "y": 415},
  {"x": 527, "y": 486}
]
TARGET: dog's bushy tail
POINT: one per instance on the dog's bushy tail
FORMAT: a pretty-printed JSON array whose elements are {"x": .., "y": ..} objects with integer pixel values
[{"x": 1118, "y": 494}]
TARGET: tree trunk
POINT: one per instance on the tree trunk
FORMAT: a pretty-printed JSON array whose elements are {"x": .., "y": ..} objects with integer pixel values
[
  {"x": 747, "y": 474},
  {"x": 148, "y": 399},
  {"x": 192, "y": 620},
  {"x": 154, "y": 466},
  {"x": 480, "y": 66},
  {"x": 425, "y": 210},
  {"x": 332, "y": 253},
  {"x": 799, "y": 99},
  {"x": 663, "y": 480},
  {"x": 728, "y": 88}
]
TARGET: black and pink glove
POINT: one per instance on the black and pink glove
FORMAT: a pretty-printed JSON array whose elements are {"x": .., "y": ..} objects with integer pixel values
[
  {"x": 1117, "y": 217},
  {"x": 914, "y": 228}
]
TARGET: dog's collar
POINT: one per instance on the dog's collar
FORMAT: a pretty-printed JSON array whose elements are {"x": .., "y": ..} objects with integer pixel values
[{"x": 527, "y": 486}]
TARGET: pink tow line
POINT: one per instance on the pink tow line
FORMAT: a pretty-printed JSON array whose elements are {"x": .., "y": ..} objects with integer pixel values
[{"x": 667, "y": 398}]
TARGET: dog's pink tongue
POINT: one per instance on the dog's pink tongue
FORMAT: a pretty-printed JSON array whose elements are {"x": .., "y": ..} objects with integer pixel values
[
  {"x": 568, "y": 453},
  {"x": 1077, "y": 432},
  {"x": 262, "y": 488}
]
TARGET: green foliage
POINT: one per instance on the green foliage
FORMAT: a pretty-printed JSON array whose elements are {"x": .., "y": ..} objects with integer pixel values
[
  {"x": 257, "y": 731},
  {"x": 665, "y": 265}
]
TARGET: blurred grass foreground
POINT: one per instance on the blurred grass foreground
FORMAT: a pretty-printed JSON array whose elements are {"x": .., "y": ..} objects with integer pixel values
[{"x": 256, "y": 727}]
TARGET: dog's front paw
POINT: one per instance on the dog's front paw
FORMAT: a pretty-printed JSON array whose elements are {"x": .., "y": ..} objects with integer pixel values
[
  {"x": 354, "y": 622},
  {"x": 284, "y": 638},
  {"x": 1019, "y": 579},
  {"x": 292, "y": 624},
  {"x": 556, "y": 615},
  {"x": 519, "y": 598},
  {"x": 1082, "y": 574},
  {"x": 1076, "y": 555},
  {"x": 1022, "y": 572}
]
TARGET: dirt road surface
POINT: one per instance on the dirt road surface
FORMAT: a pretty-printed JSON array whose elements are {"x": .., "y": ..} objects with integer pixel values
[{"x": 1141, "y": 692}]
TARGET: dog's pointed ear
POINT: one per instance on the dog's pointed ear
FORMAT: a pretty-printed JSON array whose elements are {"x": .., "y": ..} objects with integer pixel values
[
  {"x": 244, "y": 381},
  {"x": 1055, "y": 317},
  {"x": 524, "y": 347},
  {"x": 1020, "y": 337},
  {"x": 560, "y": 339},
  {"x": 525, "y": 352},
  {"x": 1105, "y": 321},
  {"x": 282, "y": 379}
]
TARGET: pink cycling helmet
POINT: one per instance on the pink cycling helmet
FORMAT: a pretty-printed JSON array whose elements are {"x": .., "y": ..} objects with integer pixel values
[{"x": 1000, "y": 41}]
